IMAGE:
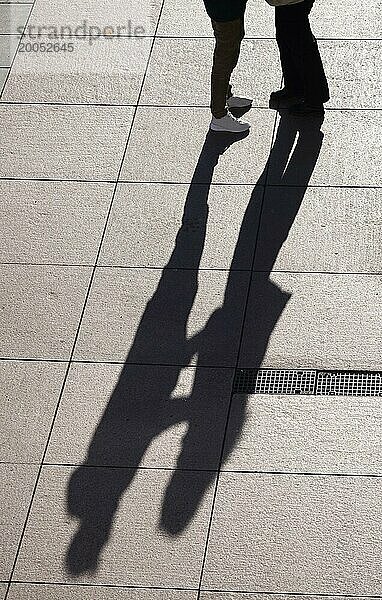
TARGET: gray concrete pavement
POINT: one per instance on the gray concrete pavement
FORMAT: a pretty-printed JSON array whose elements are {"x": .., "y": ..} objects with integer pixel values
[{"x": 143, "y": 262}]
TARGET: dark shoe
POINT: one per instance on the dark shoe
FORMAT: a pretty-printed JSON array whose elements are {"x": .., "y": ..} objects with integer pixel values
[
  {"x": 304, "y": 109},
  {"x": 283, "y": 98}
]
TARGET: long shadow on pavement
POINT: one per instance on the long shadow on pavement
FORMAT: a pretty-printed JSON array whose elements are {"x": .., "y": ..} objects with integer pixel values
[{"x": 141, "y": 406}]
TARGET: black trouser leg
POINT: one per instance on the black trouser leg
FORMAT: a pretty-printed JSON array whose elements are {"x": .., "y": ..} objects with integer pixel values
[{"x": 300, "y": 57}]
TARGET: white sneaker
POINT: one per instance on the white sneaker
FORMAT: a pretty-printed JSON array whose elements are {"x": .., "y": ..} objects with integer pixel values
[
  {"x": 237, "y": 102},
  {"x": 229, "y": 123}
]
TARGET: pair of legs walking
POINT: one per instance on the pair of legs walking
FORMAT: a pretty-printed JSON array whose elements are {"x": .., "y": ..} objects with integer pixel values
[{"x": 304, "y": 75}]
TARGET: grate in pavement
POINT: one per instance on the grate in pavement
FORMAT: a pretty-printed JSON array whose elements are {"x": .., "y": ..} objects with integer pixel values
[
  {"x": 349, "y": 383},
  {"x": 270, "y": 381},
  {"x": 308, "y": 382}
]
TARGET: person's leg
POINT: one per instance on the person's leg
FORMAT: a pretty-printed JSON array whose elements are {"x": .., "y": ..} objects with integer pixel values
[
  {"x": 300, "y": 57},
  {"x": 226, "y": 55},
  {"x": 316, "y": 89},
  {"x": 287, "y": 40}
]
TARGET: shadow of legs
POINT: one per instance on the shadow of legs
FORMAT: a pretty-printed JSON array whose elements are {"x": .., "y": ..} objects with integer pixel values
[
  {"x": 141, "y": 407},
  {"x": 93, "y": 498},
  {"x": 137, "y": 404}
]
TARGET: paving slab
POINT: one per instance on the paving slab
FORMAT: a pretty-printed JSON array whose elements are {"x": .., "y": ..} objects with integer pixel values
[
  {"x": 135, "y": 18},
  {"x": 175, "y": 76},
  {"x": 184, "y": 141},
  {"x": 41, "y": 308},
  {"x": 193, "y": 317},
  {"x": 305, "y": 434},
  {"x": 52, "y": 222},
  {"x": 157, "y": 536},
  {"x": 302, "y": 535},
  {"x": 99, "y": 70},
  {"x": 321, "y": 229},
  {"x": 13, "y": 17},
  {"x": 27, "y": 591},
  {"x": 352, "y": 137},
  {"x": 147, "y": 218},
  {"x": 190, "y": 19},
  {"x": 15, "y": 495},
  {"x": 352, "y": 68},
  {"x": 29, "y": 394},
  {"x": 8, "y": 47},
  {"x": 132, "y": 416},
  {"x": 356, "y": 22},
  {"x": 3, "y": 590},
  {"x": 63, "y": 142},
  {"x": 313, "y": 321}
]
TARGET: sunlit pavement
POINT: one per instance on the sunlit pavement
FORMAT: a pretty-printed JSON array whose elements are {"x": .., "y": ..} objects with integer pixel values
[{"x": 144, "y": 263}]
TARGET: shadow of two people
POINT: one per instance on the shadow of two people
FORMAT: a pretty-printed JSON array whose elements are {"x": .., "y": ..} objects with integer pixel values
[{"x": 141, "y": 406}]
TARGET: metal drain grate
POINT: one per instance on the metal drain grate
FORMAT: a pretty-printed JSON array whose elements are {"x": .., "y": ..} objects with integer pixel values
[
  {"x": 308, "y": 382},
  {"x": 268, "y": 381},
  {"x": 349, "y": 383}
]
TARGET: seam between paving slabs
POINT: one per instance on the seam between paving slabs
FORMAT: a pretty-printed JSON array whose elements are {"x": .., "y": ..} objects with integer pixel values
[
  {"x": 194, "y": 37},
  {"x": 184, "y": 589},
  {"x": 199, "y": 470},
  {"x": 215, "y": 183},
  {"x": 164, "y": 106},
  {"x": 138, "y": 267}
]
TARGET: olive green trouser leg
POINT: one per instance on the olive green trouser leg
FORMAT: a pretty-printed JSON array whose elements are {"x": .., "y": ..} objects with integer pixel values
[{"x": 228, "y": 38}]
